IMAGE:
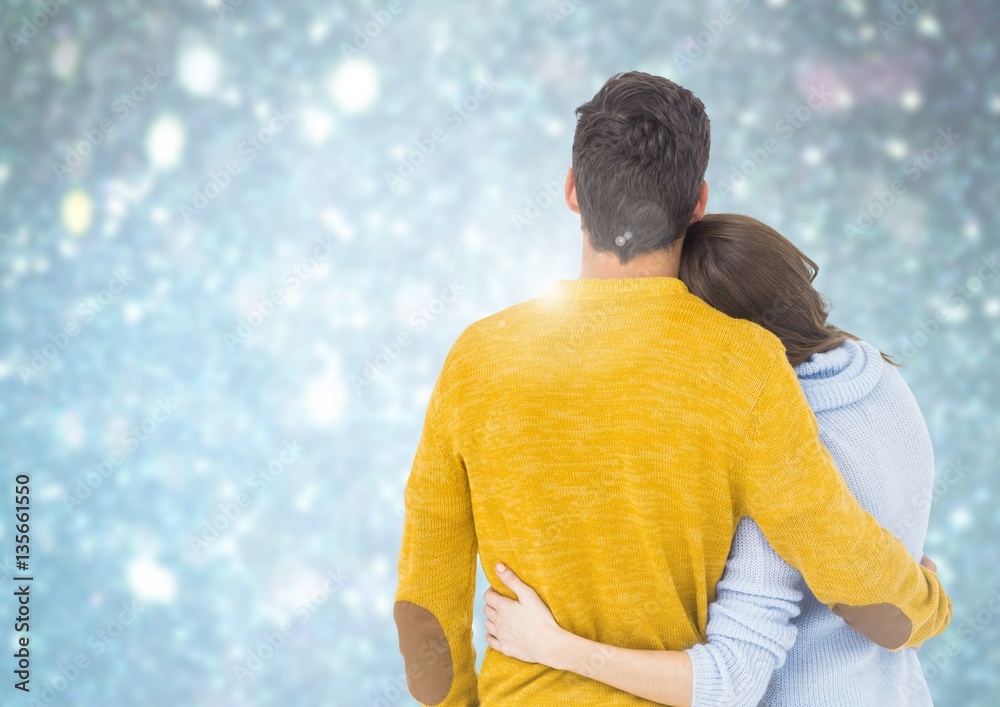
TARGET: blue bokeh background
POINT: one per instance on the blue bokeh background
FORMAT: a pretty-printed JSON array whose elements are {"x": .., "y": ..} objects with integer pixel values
[{"x": 216, "y": 217}]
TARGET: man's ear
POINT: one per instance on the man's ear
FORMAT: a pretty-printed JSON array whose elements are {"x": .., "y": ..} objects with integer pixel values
[
  {"x": 571, "y": 192},
  {"x": 699, "y": 209}
]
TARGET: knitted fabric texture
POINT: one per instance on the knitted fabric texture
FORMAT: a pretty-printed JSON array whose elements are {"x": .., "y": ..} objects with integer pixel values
[
  {"x": 604, "y": 441},
  {"x": 770, "y": 641}
]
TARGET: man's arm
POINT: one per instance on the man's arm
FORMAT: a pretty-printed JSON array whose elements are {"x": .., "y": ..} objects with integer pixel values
[
  {"x": 437, "y": 568},
  {"x": 750, "y": 629},
  {"x": 789, "y": 485}
]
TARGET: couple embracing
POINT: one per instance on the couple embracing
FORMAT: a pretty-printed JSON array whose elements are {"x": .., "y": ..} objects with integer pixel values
[{"x": 685, "y": 486}]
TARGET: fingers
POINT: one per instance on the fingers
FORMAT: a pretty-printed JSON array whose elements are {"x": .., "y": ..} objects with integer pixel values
[
  {"x": 491, "y": 628},
  {"x": 490, "y": 612},
  {"x": 513, "y": 582},
  {"x": 929, "y": 564},
  {"x": 495, "y": 599}
]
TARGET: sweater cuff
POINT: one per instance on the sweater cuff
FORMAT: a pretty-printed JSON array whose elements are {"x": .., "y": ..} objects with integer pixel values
[{"x": 709, "y": 686}]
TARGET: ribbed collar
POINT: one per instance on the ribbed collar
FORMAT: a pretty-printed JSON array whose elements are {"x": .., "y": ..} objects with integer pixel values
[
  {"x": 614, "y": 285},
  {"x": 840, "y": 377}
]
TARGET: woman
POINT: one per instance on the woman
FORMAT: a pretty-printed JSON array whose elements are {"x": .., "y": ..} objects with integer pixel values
[{"x": 870, "y": 422}]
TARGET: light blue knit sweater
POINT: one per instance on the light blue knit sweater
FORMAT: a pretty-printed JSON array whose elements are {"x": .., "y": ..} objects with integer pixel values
[{"x": 873, "y": 428}]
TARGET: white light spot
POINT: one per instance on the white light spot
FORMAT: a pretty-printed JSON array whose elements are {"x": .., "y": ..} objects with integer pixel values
[
  {"x": 896, "y": 149},
  {"x": 911, "y": 99},
  {"x": 318, "y": 30},
  {"x": 844, "y": 98},
  {"x": 151, "y": 581},
  {"x": 991, "y": 307},
  {"x": 854, "y": 7},
  {"x": 262, "y": 109},
  {"x": 956, "y": 315},
  {"x": 133, "y": 312},
  {"x": 71, "y": 430},
  {"x": 165, "y": 142},
  {"x": 961, "y": 518},
  {"x": 77, "y": 212},
  {"x": 928, "y": 25},
  {"x": 554, "y": 127},
  {"x": 64, "y": 58},
  {"x": 325, "y": 396},
  {"x": 354, "y": 86},
  {"x": 812, "y": 155},
  {"x": 335, "y": 221},
  {"x": 199, "y": 70},
  {"x": 317, "y": 124}
]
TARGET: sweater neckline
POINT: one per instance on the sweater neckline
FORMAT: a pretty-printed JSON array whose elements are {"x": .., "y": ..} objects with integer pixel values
[
  {"x": 614, "y": 285},
  {"x": 841, "y": 376}
]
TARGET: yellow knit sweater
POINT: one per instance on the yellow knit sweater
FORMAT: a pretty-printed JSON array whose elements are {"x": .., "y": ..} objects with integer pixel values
[{"x": 603, "y": 441}]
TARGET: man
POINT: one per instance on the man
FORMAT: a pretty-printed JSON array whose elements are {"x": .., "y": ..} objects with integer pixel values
[{"x": 611, "y": 434}]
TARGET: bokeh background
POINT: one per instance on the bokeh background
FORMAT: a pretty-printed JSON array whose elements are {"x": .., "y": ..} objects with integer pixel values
[{"x": 237, "y": 239}]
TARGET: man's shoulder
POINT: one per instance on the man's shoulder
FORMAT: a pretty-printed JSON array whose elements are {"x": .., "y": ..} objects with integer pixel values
[
  {"x": 735, "y": 338},
  {"x": 502, "y": 324}
]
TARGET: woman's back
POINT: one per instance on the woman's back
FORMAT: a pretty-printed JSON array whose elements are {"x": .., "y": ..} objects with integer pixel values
[{"x": 875, "y": 432}]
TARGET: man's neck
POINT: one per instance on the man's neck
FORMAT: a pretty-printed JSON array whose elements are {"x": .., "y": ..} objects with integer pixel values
[{"x": 661, "y": 263}]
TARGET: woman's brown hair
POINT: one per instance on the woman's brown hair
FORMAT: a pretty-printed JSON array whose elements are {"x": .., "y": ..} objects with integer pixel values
[{"x": 747, "y": 270}]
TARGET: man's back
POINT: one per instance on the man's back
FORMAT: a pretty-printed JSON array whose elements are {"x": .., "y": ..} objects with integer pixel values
[
  {"x": 603, "y": 441},
  {"x": 606, "y": 419}
]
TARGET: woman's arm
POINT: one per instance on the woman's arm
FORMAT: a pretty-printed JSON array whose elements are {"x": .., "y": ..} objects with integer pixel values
[
  {"x": 750, "y": 624},
  {"x": 525, "y": 629},
  {"x": 749, "y": 632}
]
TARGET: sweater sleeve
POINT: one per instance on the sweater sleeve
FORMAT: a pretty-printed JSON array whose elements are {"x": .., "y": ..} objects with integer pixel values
[
  {"x": 750, "y": 628},
  {"x": 789, "y": 485},
  {"x": 437, "y": 568}
]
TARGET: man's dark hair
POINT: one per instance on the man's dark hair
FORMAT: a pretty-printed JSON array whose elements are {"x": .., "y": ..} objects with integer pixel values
[{"x": 639, "y": 157}]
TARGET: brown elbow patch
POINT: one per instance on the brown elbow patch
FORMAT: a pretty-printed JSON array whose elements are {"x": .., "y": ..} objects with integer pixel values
[
  {"x": 429, "y": 672},
  {"x": 883, "y": 624}
]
